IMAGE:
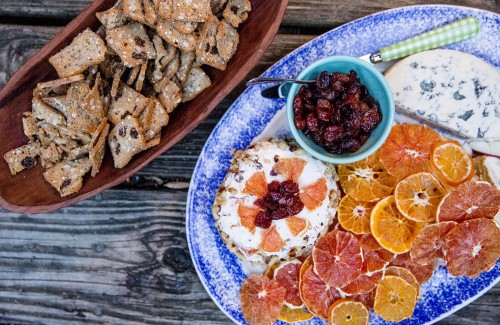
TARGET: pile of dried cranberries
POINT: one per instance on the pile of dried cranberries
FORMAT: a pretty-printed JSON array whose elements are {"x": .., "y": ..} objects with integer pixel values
[{"x": 336, "y": 112}]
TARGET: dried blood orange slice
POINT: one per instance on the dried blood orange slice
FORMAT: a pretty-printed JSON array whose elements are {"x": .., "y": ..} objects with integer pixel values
[
  {"x": 421, "y": 272},
  {"x": 375, "y": 256},
  {"x": 405, "y": 275},
  {"x": 354, "y": 215},
  {"x": 297, "y": 225},
  {"x": 348, "y": 312},
  {"x": 261, "y": 299},
  {"x": 391, "y": 229},
  {"x": 290, "y": 168},
  {"x": 470, "y": 200},
  {"x": 395, "y": 299},
  {"x": 271, "y": 240},
  {"x": 453, "y": 163},
  {"x": 472, "y": 247},
  {"x": 418, "y": 197},
  {"x": 290, "y": 315},
  {"x": 363, "y": 284},
  {"x": 316, "y": 294},
  {"x": 365, "y": 298},
  {"x": 366, "y": 180},
  {"x": 428, "y": 246},
  {"x": 337, "y": 258},
  {"x": 287, "y": 275},
  {"x": 247, "y": 216},
  {"x": 313, "y": 195},
  {"x": 256, "y": 185},
  {"x": 407, "y": 149}
]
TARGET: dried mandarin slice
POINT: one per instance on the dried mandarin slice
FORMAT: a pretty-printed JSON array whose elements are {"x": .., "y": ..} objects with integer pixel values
[
  {"x": 297, "y": 225},
  {"x": 287, "y": 275},
  {"x": 366, "y": 180},
  {"x": 354, "y": 215},
  {"x": 391, "y": 229},
  {"x": 290, "y": 168},
  {"x": 313, "y": 195},
  {"x": 261, "y": 299},
  {"x": 472, "y": 247},
  {"x": 452, "y": 162},
  {"x": 418, "y": 197},
  {"x": 348, "y": 312},
  {"x": 470, "y": 200},
  {"x": 271, "y": 240},
  {"x": 428, "y": 246},
  {"x": 407, "y": 149},
  {"x": 421, "y": 272},
  {"x": 395, "y": 299},
  {"x": 405, "y": 275},
  {"x": 290, "y": 315},
  {"x": 337, "y": 258},
  {"x": 247, "y": 216},
  {"x": 256, "y": 185}
]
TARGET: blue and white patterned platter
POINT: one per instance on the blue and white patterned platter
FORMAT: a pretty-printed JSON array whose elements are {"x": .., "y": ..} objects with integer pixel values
[{"x": 251, "y": 116}]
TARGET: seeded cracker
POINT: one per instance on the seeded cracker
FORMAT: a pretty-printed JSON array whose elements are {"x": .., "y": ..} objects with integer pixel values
[
  {"x": 167, "y": 31},
  {"x": 150, "y": 13},
  {"x": 55, "y": 87},
  {"x": 196, "y": 82},
  {"x": 131, "y": 43},
  {"x": 94, "y": 102},
  {"x": 217, "y": 6},
  {"x": 185, "y": 27},
  {"x": 134, "y": 10},
  {"x": 60, "y": 103},
  {"x": 227, "y": 40},
  {"x": 236, "y": 11},
  {"x": 189, "y": 10},
  {"x": 186, "y": 62},
  {"x": 50, "y": 155},
  {"x": 84, "y": 51},
  {"x": 142, "y": 75},
  {"x": 114, "y": 17},
  {"x": 165, "y": 8},
  {"x": 126, "y": 140},
  {"x": 47, "y": 113},
  {"x": 22, "y": 157},
  {"x": 170, "y": 95},
  {"x": 127, "y": 102},
  {"x": 153, "y": 118},
  {"x": 207, "y": 51},
  {"x": 30, "y": 126},
  {"x": 98, "y": 147},
  {"x": 67, "y": 176}
]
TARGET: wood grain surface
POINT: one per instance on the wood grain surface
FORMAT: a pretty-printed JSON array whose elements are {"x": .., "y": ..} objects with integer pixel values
[{"x": 121, "y": 257}]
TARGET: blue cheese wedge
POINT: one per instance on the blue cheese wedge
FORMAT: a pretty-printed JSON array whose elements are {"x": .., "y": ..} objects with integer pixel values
[{"x": 449, "y": 89}]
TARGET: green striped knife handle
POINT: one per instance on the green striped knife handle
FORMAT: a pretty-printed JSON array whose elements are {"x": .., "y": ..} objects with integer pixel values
[{"x": 455, "y": 32}]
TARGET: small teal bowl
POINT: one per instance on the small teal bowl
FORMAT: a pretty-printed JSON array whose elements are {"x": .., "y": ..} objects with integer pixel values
[{"x": 377, "y": 87}]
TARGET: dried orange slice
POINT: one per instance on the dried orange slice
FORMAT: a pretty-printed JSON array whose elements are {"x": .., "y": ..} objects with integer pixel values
[
  {"x": 395, "y": 299},
  {"x": 313, "y": 195},
  {"x": 421, "y": 272},
  {"x": 405, "y": 275},
  {"x": 407, "y": 149},
  {"x": 472, "y": 247},
  {"x": 366, "y": 180},
  {"x": 428, "y": 246},
  {"x": 418, "y": 196},
  {"x": 391, "y": 229},
  {"x": 297, "y": 225},
  {"x": 290, "y": 315},
  {"x": 354, "y": 215},
  {"x": 287, "y": 275},
  {"x": 256, "y": 185},
  {"x": 452, "y": 162},
  {"x": 348, "y": 312},
  {"x": 247, "y": 216},
  {"x": 337, "y": 258},
  {"x": 470, "y": 200},
  {"x": 291, "y": 168},
  {"x": 316, "y": 294},
  {"x": 261, "y": 299},
  {"x": 374, "y": 256},
  {"x": 271, "y": 240}
]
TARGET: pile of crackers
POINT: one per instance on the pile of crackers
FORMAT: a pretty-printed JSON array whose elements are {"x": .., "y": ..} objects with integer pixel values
[{"x": 119, "y": 84}]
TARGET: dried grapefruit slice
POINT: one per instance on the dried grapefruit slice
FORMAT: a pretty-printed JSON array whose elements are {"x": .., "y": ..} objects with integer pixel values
[
  {"x": 365, "y": 298},
  {"x": 297, "y": 225},
  {"x": 418, "y": 196},
  {"x": 470, "y": 200},
  {"x": 287, "y": 275},
  {"x": 428, "y": 246},
  {"x": 290, "y": 168},
  {"x": 256, "y": 185},
  {"x": 247, "y": 216},
  {"x": 407, "y": 150},
  {"x": 366, "y": 180},
  {"x": 421, "y": 272},
  {"x": 316, "y": 294},
  {"x": 472, "y": 247},
  {"x": 261, "y": 299},
  {"x": 453, "y": 163},
  {"x": 313, "y": 195},
  {"x": 391, "y": 229},
  {"x": 395, "y": 299},
  {"x": 363, "y": 284},
  {"x": 354, "y": 215},
  {"x": 375, "y": 256},
  {"x": 271, "y": 240},
  {"x": 405, "y": 275},
  {"x": 290, "y": 315},
  {"x": 337, "y": 258},
  {"x": 348, "y": 312}
]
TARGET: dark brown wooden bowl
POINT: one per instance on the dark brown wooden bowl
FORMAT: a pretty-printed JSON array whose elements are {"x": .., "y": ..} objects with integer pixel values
[{"x": 28, "y": 192}]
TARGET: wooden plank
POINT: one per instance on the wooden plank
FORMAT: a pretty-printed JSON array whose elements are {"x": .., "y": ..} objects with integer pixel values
[{"x": 313, "y": 13}]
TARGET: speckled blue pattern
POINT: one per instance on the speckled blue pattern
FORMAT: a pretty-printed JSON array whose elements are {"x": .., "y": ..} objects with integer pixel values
[{"x": 218, "y": 269}]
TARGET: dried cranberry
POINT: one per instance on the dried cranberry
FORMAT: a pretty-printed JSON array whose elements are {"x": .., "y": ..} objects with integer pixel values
[
  {"x": 350, "y": 145},
  {"x": 312, "y": 122},
  {"x": 336, "y": 116},
  {"x": 331, "y": 95},
  {"x": 324, "y": 114},
  {"x": 294, "y": 205},
  {"x": 289, "y": 188},
  {"x": 300, "y": 122},
  {"x": 333, "y": 133},
  {"x": 276, "y": 196},
  {"x": 298, "y": 105},
  {"x": 274, "y": 186},
  {"x": 369, "y": 120},
  {"x": 323, "y": 80},
  {"x": 263, "y": 220},
  {"x": 260, "y": 204},
  {"x": 279, "y": 214},
  {"x": 341, "y": 77}
]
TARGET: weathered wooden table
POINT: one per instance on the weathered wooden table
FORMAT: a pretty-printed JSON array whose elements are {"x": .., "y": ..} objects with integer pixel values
[{"x": 121, "y": 257}]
